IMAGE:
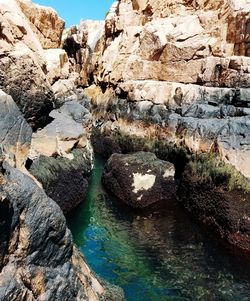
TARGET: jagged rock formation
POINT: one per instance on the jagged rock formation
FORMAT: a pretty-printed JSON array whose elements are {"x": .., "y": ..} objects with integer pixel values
[
  {"x": 15, "y": 133},
  {"x": 46, "y": 24},
  {"x": 38, "y": 260},
  {"x": 83, "y": 45},
  {"x": 179, "y": 70},
  {"x": 172, "y": 71},
  {"x": 139, "y": 179}
]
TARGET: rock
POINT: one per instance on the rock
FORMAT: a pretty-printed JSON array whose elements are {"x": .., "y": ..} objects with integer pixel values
[
  {"x": 57, "y": 65},
  {"x": 15, "y": 133},
  {"x": 23, "y": 79},
  {"x": 45, "y": 22},
  {"x": 83, "y": 44},
  {"x": 224, "y": 212},
  {"x": 65, "y": 180},
  {"x": 37, "y": 257},
  {"x": 64, "y": 133},
  {"x": 61, "y": 155},
  {"x": 65, "y": 90},
  {"x": 139, "y": 179},
  {"x": 148, "y": 43},
  {"x": 22, "y": 66}
]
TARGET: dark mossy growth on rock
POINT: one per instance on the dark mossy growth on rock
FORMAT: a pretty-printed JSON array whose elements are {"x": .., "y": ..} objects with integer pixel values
[
  {"x": 211, "y": 169},
  {"x": 64, "y": 180},
  {"x": 119, "y": 142},
  {"x": 219, "y": 197}
]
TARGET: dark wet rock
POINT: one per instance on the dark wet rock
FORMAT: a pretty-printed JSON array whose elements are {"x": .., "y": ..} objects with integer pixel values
[
  {"x": 37, "y": 258},
  {"x": 139, "y": 179},
  {"x": 220, "y": 199},
  {"x": 64, "y": 180}
]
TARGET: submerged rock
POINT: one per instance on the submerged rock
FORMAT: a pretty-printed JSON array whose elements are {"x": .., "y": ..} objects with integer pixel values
[{"x": 139, "y": 179}]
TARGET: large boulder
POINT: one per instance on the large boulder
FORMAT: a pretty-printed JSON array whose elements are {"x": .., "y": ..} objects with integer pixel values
[
  {"x": 22, "y": 78},
  {"x": 37, "y": 258},
  {"x": 139, "y": 179}
]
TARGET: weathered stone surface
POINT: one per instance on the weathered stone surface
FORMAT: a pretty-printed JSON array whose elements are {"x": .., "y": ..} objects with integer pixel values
[
  {"x": 62, "y": 155},
  {"x": 202, "y": 119},
  {"x": 46, "y": 24},
  {"x": 139, "y": 179},
  {"x": 37, "y": 257},
  {"x": 15, "y": 133},
  {"x": 66, "y": 90},
  {"x": 146, "y": 42},
  {"x": 83, "y": 44},
  {"x": 22, "y": 67},
  {"x": 66, "y": 132},
  {"x": 57, "y": 64},
  {"x": 23, "y": 79}
]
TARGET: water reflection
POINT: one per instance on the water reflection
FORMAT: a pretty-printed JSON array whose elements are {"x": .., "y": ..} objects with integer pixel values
[{"x": 160, "y": 255}]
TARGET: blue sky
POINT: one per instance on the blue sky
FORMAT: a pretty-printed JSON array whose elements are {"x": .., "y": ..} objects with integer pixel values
[{"x": 72, "y": 11}]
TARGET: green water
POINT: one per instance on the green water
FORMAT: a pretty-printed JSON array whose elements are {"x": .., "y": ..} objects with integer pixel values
[{"x": 154, "y": 257}]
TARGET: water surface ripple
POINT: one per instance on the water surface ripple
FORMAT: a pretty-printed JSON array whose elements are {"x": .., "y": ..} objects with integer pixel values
[{"x": 154, "y": 257}]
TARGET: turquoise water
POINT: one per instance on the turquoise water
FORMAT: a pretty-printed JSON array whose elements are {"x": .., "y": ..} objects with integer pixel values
[{"x": 161, "y": 255}]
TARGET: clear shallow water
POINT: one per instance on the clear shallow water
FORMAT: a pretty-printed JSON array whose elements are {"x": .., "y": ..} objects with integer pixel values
[{"x": 154, "y": 257}]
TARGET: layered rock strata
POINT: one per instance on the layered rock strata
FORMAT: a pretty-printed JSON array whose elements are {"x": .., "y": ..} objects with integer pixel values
[{"x": 178, "y": 72}]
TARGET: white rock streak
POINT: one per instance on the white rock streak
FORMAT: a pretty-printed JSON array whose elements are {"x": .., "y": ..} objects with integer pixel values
[{"x": 143, "y": 182}]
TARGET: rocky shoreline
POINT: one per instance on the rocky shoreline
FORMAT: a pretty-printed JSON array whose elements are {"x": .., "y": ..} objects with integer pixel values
[{"x": 169, "y": 80}]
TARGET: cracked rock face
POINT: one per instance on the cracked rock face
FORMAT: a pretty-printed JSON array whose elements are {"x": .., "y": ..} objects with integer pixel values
[
  {"x": 180, "y": 72},
  {"x": 46, "y": 24},
  {"x": 139, "y": 179}
]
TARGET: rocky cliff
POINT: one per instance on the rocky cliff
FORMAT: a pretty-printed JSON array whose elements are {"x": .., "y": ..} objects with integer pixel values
[{"x": 182, "y": 68}]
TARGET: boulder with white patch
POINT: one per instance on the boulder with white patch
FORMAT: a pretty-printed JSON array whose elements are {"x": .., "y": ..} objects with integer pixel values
[{"x": 139, "y": 179}]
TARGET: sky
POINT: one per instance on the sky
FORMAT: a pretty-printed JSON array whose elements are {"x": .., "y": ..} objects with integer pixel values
[{"x": 72, "y": 11}]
